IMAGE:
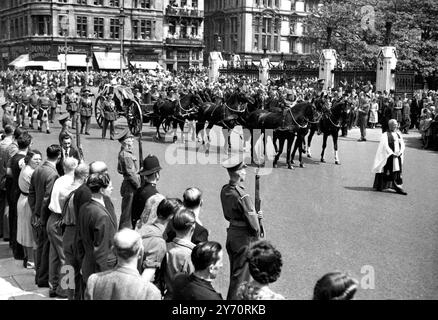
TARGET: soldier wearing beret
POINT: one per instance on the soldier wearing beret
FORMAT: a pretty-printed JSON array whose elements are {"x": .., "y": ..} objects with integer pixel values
[
  {"x": 244, "y": 227},
  {"x": 127, "y": 166}
]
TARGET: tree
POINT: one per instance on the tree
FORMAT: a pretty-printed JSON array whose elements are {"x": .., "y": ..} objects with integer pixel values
[{"x": 357, "y": 28}]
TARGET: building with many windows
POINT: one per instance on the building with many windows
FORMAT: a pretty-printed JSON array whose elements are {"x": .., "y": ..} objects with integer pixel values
[
  {"x": 251, "y": 27},
  {"x": 35, "y": 33}
]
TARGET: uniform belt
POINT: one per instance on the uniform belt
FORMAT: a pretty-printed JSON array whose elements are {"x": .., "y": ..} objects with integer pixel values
[{"x": 238, "y": 223}]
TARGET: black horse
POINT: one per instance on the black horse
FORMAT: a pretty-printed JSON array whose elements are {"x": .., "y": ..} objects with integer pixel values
[
  {"x": 176, "y": 112},
  {"x": 330, "y": 124},
  {"x": 284, "y": 123},
  {"x": 224, "y": 112}
]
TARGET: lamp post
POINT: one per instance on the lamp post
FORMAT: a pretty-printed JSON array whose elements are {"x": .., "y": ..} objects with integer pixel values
[
  {"x": 64, "y": 26},
  {"x": 122, "y": 35}
]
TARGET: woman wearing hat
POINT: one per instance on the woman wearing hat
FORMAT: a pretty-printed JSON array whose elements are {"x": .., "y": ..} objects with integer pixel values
[{"x": 86, "y": 111}]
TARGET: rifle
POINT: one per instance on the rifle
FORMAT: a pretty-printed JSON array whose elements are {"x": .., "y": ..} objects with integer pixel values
[
  {"x": 258, "y": 203},
  {"x": 78, "y": 139},
  {"x": 140, "y": 152}
]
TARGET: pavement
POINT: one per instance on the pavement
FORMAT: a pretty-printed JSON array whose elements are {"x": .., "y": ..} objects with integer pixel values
[{"x": 323, "y": 217}]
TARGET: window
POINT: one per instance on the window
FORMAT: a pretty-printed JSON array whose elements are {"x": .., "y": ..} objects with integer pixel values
[
  {"x": 41, "y": 25},
  {"x": 195, "y": 3},
  {"x": 81, "y": 1},
  {"x": 257, "y": 25},
  {"x": 114, "y": 3},
  {"x": 21, "y": 23},
  {"x": 98, "y": 28},
  {"x": 81, "y": 27},
  {"x": 145, "y": 4},
  {"x": 268, "y": 46},
  {"x": 145, "y": 29},
  {"x": 183, "y": 3},
  {"x": 114, "y": 28},
  {"x": 275, "y": 43},
  {"x": 98, "y": 2},
  {"x": 63, "y": 1},
  {"x": 292, "y": 46},
  {"x": 135, "y": 29},
  {"x": 60, "y": 30},
  {"x": 263, "y": 42},
  {"x": 194, "y": 29},
  {"x": 26, "y": 27},
  {"x": 172, "y": 29},
  {"x": 256, "y": 42},
  {"x": 183, "y": 30}
]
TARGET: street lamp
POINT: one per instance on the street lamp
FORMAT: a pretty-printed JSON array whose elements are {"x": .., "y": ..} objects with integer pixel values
[
  {"x": 122, "y": 36},
  {"x": 64, "y": 26}
]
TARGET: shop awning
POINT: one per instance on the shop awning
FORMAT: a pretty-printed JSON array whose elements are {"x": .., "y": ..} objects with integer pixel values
[
  {"x": 146, "y": 65},
  {"x": 20, "y": 62},
  {"x": 75, "y": 60},
  {"x": 108, "y": 60},
  {"x": 46, "y": 65}
]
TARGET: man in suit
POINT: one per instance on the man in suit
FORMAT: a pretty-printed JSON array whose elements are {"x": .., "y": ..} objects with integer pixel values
[
  {"x": 40, "y": 189},
  {"x": 207, "y": 258},
  {"x": 124, "y": 282},
  {"x": 97, "y": 227},
  {"x": 4, "y": 144},
  {"x": 82, "y": 195},
  {"x": 192, "y": 199},
  {"x": 68, "y": 151}
]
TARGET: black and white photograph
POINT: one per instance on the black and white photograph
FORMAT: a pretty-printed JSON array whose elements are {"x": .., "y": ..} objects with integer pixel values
[{"x": 225, "y": 150}]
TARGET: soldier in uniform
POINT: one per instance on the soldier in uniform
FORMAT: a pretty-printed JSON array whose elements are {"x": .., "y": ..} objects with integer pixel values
[
  {"x": 109, "y": 116},
  {"x": 44, "y": 109},
  {"x": 127, "y": 166},
  {"x": 86, "y": 111},
  {"x": 25, "y": 102},
  {"x": 71, "y": 101},
  {"x": 33, "y": 107},
  {"x": 53, "y": 102},
  {"x": 244, "y": 226}
]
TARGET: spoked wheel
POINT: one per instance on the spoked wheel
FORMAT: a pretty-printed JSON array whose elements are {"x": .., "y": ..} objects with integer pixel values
[
  {"x": 98, "y": 110},
  {"x": 134, "y": 117}
]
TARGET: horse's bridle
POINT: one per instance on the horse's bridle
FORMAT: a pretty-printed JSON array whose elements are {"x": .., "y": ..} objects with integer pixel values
[{"x": 293, "y": 118}]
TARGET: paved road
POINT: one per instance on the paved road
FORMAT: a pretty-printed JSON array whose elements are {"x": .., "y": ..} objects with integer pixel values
[{"x": 322, "y": 218}]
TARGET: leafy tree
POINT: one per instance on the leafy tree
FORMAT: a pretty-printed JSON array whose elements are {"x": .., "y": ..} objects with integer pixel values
[{"x": 409, "y": 25}]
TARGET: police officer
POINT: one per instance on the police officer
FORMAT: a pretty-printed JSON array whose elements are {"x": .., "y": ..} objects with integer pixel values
[
  {"x": 109, "y": 116},
  {"x": 127, "y": 166},
  {"x": 86, "y": 111},
  {"x": 71, "y": 101},
  {"x": 244, "y": 226}
]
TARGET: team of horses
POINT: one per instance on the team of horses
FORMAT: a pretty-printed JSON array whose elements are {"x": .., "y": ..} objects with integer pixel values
[{"x": 287, "y": 122}]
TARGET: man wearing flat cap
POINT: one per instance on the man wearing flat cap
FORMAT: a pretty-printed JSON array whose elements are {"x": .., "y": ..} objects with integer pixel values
[
  {"x": 127, "y": 167},
  {"x": 244, "y": 227}
]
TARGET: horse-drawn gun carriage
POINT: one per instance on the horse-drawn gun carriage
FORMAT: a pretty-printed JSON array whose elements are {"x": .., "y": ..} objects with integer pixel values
[{"x": 126, "y": 105}]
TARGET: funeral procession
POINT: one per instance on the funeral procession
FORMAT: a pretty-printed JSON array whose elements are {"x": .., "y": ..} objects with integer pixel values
[{"x": 218, "y": 150}]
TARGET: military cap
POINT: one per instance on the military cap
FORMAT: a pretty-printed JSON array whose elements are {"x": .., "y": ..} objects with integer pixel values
[
  {"x": 123, "y": 135},
  {"x": 234, "y": 163},
  {"x": 63, "y": 117}
]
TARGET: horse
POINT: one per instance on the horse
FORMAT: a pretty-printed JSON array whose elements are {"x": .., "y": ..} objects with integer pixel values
[
  {"x": 224, "y": 112},
  {"x": 176, "y": 111},
  {"x": 330, "y": 124},
  {"x": 284, "y": 124}
]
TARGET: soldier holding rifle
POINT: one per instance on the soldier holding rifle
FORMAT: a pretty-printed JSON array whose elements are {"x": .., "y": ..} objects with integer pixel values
[{"x": 245, "y": 227}]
